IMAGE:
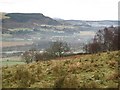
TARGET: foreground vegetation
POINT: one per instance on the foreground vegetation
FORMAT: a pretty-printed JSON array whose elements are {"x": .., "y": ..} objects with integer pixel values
[{"x": 79, "y": 71}]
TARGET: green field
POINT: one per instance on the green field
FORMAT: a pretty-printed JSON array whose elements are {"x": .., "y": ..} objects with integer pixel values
[
  {"x": 11, "y": 61},
  {"x": 79, "y": 71}
]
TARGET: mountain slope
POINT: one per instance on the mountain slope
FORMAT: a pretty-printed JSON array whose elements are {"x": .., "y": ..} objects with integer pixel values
[
  {"x": 81, "y": 71},
  {"x": 26, "y": 20}
]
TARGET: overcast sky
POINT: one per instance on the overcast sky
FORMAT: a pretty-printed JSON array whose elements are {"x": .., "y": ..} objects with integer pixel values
[{"x": 65, "y": 9}]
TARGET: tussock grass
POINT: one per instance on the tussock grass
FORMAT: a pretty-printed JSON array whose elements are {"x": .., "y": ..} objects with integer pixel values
[{"x": 81, "y": 71}]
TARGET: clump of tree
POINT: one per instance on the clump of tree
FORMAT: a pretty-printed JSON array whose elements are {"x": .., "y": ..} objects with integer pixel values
[
  {"x": 104, "y": 40},
  {"x": 56, "y": 49},
  {"x": 29, "y": 56},
  {"x": 119, "y": 38},
  {"x": 42, "y": 56}
]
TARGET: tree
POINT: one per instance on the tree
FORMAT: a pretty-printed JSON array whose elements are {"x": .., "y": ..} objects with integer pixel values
[
  {"x": 104, "y": 40},
  {"x": 29, "y": 56},
  {"x": 58, "y": 49},
  {"x": 109, "y": 38},
  {"x": 119, "y": 37},
  {"x": 42, "y": 56},
  {"x": 85, "y": 48}
]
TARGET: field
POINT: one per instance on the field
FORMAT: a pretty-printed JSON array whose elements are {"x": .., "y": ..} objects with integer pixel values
[
  {"x": 80, "y": 71},
  {"x": 11, "y": 61},
  {"x": 10, "y": 44}
]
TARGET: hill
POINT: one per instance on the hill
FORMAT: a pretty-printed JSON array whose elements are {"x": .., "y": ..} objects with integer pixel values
[
  {"x": 79, "y": 71},
  {"x": 26, "y": 20},
  {"x": 27, "y": 17}
]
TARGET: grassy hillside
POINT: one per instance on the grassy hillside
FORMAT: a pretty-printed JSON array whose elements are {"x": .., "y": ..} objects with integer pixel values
[
  {"x": 80, "y": 71},
  {"x": 26, "y": 20}
]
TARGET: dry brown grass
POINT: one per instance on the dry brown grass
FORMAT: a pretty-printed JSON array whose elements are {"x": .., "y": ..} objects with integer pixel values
[{"x": 72, "y": 72}]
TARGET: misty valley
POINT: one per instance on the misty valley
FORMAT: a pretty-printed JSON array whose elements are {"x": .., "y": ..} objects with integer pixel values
[
  {"x": 19, "y": 36},
  {"x": 43, "y": 52}
]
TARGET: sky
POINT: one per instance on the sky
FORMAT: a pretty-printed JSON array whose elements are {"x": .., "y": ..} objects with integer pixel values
[{"x": 65, "y": 9}]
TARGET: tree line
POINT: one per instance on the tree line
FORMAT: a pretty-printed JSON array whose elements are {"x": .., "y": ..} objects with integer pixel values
[
  {"x": 56, "y": 49},
  {"x": 106, "y": 39}
]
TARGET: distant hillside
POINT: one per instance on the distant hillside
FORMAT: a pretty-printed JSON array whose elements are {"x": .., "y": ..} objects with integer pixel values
[
  {"x": 27, "y": 20},
  {"x": 26, "y": 17},
  {"x": 79, "y": 71},
  {"x": 102, "y": 23}
]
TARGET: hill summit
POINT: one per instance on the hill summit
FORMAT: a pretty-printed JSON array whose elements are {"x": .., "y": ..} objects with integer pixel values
[{"x": 28, "y": 20}]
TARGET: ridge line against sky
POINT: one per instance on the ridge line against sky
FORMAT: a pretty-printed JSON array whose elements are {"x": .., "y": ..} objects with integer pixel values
[{"x": 65, "y": 9}]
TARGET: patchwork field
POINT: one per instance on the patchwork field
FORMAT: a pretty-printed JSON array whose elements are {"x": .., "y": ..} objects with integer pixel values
[{"x": 81, "y": 71}]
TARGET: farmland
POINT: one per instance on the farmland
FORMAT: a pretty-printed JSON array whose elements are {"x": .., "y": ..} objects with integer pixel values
[
  {"x": 11, "y": 61},
  {"x": 80, "y": 71},
  {"x": 9, "y": 44}
]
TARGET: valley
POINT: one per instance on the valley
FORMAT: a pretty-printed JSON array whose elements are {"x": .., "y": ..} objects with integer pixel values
[{"x": 20, "y": 36}]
